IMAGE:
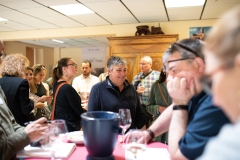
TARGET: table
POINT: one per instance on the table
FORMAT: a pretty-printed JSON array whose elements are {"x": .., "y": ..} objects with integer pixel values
[{"x": 80, "y": 152}]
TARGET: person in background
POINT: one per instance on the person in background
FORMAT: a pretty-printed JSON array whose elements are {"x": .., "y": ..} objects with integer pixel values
[
  {"x": 116, "y": 92},
  {"x": 192, "y": 119},
  {"x": 29, "y": 74},
  {"x": 41, "y": 89},
  {"x": 158, "y": 101},
  {"x": 67, "y": 101},
  {"x": 83, "y": 83},
  {"x": 14, "y": 137},
  {"x": 143, "y": 83},
  {"x": 102, "y": 76},
  {"x": 15, "y": 87},
  {"x": 49, "y": 82},
  {"x": 222, "y": 54}
]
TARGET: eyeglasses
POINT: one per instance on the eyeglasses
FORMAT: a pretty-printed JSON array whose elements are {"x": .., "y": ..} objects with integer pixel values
[
  {"x": 73, "y": 64},
  {"x": 206, "y": 80},
  {"x": 170, "y": 49},
  {"x": 166, "y": 63},
  {"x": 143, "y": 64},
  {"x": 183, "y": 47}
]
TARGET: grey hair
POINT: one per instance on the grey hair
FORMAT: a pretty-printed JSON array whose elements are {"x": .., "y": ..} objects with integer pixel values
[
  {"x": 115, "y": 60},
  {"x": 193, "y": 44},
  {"x": 148, "y": 59}
]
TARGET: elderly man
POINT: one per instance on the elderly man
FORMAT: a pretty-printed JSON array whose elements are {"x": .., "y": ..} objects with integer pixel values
[
  {"x": 13, "y": 137},
  {"x": 83, "y": 83},
  {"x": 143, "y": 83},
  {"x": 115, "y": 93},
  {"x": 192, "y": 118}
]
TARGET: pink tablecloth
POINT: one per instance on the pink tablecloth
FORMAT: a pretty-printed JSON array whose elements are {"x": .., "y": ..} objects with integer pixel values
[{"x": 80, "y": 152}]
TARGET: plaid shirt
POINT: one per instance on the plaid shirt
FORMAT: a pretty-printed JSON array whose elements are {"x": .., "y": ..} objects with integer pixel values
[{"x": 147, "y": 83}]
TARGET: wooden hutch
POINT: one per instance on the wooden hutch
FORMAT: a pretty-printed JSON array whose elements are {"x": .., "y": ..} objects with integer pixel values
[{"x": 132, "y": 49}]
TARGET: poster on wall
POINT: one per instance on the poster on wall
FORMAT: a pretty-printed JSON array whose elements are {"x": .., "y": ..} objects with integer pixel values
[
  {"x": 96, "y": 55},
  {"x": 199, "y": 32}
]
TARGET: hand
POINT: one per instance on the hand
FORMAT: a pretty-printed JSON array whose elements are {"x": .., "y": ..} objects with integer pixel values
[
  {"x": 161, "y": 109},
  {"x": 85, "y": 104},
  {"x": 179, "y": 91},
  {"x": 39, "y": 105},
  {"x": 45, "y": 98},
  {"x": 37, "y": 129},
  {"x": 140, "y": 89},
  {"x": 148, "y": 137}
]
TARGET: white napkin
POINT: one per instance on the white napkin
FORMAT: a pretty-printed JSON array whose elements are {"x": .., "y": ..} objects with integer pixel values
[{"x": 149, "y": 154}]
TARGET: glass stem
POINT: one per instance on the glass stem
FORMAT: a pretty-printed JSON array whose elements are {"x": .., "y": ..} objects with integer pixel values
[{"x": 52, "y": 155}]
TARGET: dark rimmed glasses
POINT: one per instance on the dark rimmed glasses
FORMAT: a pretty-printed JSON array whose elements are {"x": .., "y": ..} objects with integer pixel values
[
  {"x": 72, "y": 64},
  {"x": 170, "y": 49},
  {"x": 206, "y": 80}
]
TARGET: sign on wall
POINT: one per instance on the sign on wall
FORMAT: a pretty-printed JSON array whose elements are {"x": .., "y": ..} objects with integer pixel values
[
  {"x": 199, "y": 32},
  {"x": 96, "y": 55}
]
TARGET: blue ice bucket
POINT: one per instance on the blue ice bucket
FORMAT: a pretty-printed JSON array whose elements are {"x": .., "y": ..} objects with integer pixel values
[{"x": 100, "y": 129}]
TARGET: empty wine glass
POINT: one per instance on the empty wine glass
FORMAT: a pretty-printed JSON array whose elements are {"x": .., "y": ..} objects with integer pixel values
[
  {"x": 55, "y": 136},
  {"x": 125, "y": 119},
  {"x": 135, "y": 144}
]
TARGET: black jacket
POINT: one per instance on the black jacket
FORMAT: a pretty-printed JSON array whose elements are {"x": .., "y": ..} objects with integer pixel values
[{"x": 17, "y": 93}]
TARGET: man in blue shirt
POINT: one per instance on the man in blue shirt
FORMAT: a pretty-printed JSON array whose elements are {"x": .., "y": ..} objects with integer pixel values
[{"x": 192, "y": 118}]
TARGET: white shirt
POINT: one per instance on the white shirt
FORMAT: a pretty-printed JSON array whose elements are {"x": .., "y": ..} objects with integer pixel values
[{"x": 81, "y": 84}]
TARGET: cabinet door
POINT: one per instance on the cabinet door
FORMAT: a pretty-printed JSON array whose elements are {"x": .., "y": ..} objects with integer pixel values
[
  {"x": 156, "y": 60},
  {"x": 132, "y": 64}
]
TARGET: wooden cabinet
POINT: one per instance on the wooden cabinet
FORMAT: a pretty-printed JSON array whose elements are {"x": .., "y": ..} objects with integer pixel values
[{"x": 132, "y": 49}]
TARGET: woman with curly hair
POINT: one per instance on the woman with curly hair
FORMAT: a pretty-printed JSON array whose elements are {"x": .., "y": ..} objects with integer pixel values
[
  {"x": 15, "y": 87},
  {"x": 41, "y": 89}
]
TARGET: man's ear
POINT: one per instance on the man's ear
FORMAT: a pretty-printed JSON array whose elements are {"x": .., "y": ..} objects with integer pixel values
[{"x": 200, "y": 64}]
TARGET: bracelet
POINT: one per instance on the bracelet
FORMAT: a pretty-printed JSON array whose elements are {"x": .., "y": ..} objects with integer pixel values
[
  {"x": 180, "y": 107},
  {"x": 150, "y": 133}
]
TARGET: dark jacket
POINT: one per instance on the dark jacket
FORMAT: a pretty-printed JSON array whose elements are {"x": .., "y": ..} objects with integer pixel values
[
  {"x": 68, "y": 106},
  {"x": 105, "y": 97},
  {"x": 17, "y": 93}
]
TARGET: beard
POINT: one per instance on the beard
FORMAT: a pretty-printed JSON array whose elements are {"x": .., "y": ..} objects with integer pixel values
[{"x": 86, "y": 74}]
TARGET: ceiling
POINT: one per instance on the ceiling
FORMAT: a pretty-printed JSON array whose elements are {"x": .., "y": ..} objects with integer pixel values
[{"x": 37, "y": 15}]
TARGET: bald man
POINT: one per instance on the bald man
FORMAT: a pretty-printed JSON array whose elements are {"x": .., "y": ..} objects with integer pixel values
[{"x": 143, "y": 83}]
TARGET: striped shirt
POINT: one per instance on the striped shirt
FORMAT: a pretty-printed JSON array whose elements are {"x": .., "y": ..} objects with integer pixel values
[{"x": 147, "y": 83}]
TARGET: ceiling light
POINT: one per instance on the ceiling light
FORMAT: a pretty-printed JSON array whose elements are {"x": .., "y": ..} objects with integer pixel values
[
  {"x": 2, "y": 19},
  {"x": 57, "y": 41},
  {"x": 183, "y": 3},
  {"x": 72, "y": 9}
]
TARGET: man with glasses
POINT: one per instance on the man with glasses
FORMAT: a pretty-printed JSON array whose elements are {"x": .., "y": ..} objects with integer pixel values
[
  {"x": 143, "y": 83},
  {"x": 83, "y": 83},
  {"x": 192, "y": 118}
]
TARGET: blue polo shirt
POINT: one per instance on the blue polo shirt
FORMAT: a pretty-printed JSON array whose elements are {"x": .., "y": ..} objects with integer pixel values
[{"x": 204, "y": 122}]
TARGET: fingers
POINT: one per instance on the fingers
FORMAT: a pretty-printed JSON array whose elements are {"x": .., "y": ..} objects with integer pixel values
[{"x": 40, "y": 120}]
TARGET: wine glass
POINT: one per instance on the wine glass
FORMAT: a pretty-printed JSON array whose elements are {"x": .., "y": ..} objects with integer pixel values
[
  {"x": 135, "y": 144},
  {"x": 55, "y": 136},
  {"x": 125, "y": 119}
]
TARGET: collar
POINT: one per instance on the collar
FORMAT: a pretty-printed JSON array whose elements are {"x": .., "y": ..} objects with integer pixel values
[
  {"x": 147, "y": 72},
  {"x": 110, "y": 83},
  {"x": 81, "y": 76}
]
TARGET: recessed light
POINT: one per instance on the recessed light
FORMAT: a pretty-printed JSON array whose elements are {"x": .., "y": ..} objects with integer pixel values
[
  {"x": 57, "y": 41},
  {"x": 183, "y": 3},
  {"x": 72, "y": 9},
  {"x": 2, "y": 19}
]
